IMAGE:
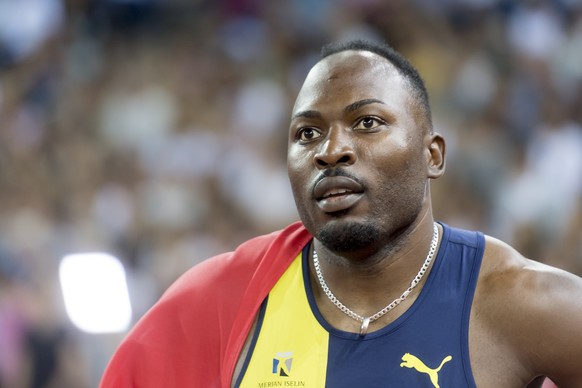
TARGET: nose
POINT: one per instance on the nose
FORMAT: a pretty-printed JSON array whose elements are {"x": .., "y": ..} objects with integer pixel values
[{"x": 336, "y": 150}]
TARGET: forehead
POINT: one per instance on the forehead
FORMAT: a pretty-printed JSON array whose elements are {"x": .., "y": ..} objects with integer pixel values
[{"x": 349, "y": 76}]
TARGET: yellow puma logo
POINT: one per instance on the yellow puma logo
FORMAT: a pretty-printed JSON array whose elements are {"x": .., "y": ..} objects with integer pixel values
[{"x": 411, "y": 361}]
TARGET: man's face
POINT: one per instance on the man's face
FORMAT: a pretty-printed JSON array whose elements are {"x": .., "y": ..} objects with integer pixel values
[{"x": 357, "y": 157}]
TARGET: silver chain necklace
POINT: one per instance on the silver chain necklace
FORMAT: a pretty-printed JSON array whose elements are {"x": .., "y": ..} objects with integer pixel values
[{"x": 367, "y": 320}]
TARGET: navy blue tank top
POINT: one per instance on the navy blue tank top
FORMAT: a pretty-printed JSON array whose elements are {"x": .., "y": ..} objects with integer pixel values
[{"x": 427, "y": 346}]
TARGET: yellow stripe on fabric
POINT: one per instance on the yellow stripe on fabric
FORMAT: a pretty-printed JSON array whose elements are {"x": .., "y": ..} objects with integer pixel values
[{"x": 291, "y": 350}]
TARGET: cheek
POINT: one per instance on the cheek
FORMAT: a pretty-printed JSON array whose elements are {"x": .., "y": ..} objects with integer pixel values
[
  {"x": 298, "y": 174},
  {"x": 401, "y": 173},
  {"x": 299, "y": 160}
]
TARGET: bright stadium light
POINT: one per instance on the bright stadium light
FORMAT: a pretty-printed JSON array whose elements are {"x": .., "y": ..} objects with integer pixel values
[{"x": 95, "y": 292}]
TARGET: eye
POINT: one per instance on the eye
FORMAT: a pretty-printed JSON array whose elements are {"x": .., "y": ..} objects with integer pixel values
[
  {"x": 368, "y": 123},
  {"x": 308, "y": 134}
]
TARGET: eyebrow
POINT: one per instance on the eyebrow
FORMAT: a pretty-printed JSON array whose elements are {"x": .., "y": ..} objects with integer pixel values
[
  {"x": 311, "y": 114},
  {"x": 358, "y": 104}
]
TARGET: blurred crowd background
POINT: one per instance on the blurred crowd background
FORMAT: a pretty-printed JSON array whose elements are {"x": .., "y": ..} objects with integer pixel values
[{"x": 156, "y": 131}]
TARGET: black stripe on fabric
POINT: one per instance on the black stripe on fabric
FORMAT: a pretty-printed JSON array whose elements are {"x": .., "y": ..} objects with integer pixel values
[{"x": 249, "y": 355}]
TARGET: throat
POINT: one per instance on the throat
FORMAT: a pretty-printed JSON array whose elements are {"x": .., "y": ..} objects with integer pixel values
[{"x": 373, "y": 294}]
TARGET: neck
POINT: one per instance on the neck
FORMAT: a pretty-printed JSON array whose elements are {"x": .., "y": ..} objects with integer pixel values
[
  {"x": 401, "y": 247},
  {"x": 367, "y": 284}
]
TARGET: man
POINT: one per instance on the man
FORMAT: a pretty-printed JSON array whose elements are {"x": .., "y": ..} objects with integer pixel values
[{"x": 381, "y": 295}]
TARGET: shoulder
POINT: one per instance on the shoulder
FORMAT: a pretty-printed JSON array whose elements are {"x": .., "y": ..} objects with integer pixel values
[
  {"x": 505, "y": 270},
  {"x": 535, "y": 308},
  {"x": 216, "y": 287},
  {"x": 204, "y": 316}
]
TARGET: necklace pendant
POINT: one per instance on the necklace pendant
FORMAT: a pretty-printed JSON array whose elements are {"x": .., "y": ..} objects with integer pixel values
[{"x": 364, "y": 327}]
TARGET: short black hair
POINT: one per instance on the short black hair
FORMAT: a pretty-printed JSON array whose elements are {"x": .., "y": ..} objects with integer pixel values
[{"x": 404, "y": 67}]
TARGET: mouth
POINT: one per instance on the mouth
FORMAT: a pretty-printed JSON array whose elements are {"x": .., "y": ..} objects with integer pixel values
[{"x": 335, "y": 194}]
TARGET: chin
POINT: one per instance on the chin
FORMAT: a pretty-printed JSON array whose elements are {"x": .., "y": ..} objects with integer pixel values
[{"x": 347, "y": 236}]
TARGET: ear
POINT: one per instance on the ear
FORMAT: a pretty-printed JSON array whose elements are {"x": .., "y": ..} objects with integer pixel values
[{"x": 435, "y": 153}]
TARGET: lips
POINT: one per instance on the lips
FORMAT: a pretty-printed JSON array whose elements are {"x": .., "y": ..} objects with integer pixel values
[{"x": 335, "y": 194}]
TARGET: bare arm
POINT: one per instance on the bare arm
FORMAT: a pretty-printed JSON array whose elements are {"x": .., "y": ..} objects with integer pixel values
[
  {"x": 534, "y": 311},
  {"x": 554, "y": 308}
]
